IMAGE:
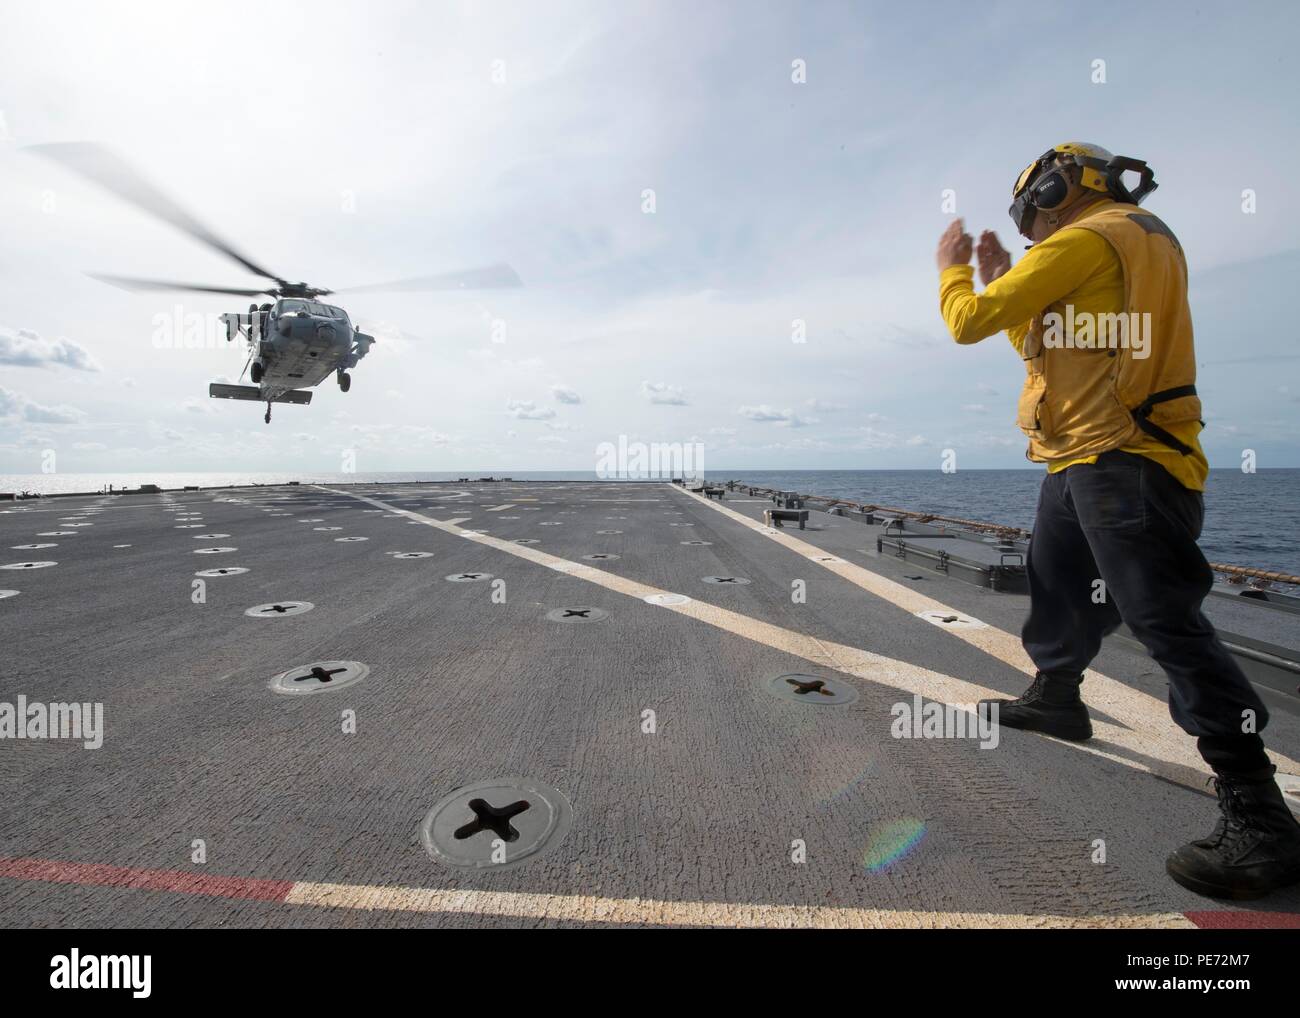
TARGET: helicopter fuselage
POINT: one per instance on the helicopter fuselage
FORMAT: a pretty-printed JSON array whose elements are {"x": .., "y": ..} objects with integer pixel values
[
  {"x": 295, "y": 344},
  {"x": 301, "y": 344}
]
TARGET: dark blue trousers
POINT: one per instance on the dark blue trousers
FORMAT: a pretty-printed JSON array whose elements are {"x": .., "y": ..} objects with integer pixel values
[{"x": 1127, "y": 522}]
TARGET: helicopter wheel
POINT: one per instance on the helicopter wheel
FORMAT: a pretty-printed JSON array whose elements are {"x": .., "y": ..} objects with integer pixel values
[
  {"x": 256, "y": 372},
  {"x": 345, "y": 381}
]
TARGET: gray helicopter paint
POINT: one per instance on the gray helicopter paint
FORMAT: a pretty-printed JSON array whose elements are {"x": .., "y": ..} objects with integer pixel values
[{"x": 300, "y": 349}]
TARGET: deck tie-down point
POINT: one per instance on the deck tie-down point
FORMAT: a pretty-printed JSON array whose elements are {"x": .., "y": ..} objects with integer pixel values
[
  {"x": 319, "y": 674},
  {"x": 489, "y": 818},
  {"x": 950, "y": 619},
  {"x": 279, "y": 609},
  {"x": 811, "y": 690},
  {"x": 318, "y": 677},
  {"x": 577, "y": 613},
  {"x": 536, "y": 820},
  {"x": 816, "y": 686}
]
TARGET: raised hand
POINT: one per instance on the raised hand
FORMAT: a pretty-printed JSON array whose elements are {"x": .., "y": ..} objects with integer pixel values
[
  {"x": 954, "y": 246},
  {"x": 994, "y": 259}
]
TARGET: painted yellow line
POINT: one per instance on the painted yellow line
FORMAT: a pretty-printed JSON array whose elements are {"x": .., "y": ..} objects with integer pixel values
[
  {"x": 590, "y": 909},
  {"x": 1145, "y": 736}
]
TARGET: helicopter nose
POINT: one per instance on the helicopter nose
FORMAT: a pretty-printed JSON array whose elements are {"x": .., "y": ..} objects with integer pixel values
[{"x": 326, "y": 332}]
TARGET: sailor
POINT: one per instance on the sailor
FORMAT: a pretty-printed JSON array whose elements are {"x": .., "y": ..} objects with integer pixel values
[{"x": 1097, "y": 310}]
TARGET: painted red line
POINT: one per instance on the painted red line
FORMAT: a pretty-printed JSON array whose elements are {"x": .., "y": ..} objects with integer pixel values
[
  {"x": 1236, "y": 920},
  {"x": 100, "y": 875},
  {"x": 180, "y": 882}
]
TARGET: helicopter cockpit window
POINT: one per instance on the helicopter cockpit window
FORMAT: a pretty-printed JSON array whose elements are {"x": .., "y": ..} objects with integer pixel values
[{"x": 287, "y": 306}]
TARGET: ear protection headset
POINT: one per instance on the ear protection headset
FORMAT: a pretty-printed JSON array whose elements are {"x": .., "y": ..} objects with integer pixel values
[{"x": 1046, "y": 182}]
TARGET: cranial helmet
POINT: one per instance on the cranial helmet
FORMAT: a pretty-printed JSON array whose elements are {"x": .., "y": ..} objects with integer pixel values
[{"x": 1062, "y": 175}]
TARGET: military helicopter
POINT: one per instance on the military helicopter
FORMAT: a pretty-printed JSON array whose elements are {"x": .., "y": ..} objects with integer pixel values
[{"x": 293, "y": 343}]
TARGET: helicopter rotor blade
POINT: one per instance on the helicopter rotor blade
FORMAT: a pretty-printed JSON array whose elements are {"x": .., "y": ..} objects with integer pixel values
[
  {"x": 103, "y": 167},
  {"x": 490, "y": 277},
  {"x": 139, "y": 285}
]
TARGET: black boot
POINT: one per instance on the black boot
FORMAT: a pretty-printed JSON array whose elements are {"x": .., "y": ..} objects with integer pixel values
[
  {"x": 1050, "y": 705},
  {"x": 1255, "y": 846}
]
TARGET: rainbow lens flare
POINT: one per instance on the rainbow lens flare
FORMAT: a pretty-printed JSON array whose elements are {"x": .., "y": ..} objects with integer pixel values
[{"x": 892, "y": 842}]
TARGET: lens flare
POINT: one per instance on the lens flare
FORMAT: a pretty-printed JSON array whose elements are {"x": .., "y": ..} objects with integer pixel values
[{"x": 892, "y": 842}]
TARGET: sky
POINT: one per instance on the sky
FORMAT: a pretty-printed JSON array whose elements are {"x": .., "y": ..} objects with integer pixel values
[{"x": 672, "y": 198}]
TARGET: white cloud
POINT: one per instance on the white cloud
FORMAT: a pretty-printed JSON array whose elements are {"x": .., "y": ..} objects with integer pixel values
[
  {"x": 23, "y": 348},
  {"x": 15, "y": 404},
  {"x": 412, "y": 431},
  {"x": 563, "y": 394},
  {"x": 489, "y": 356},
  {"x": 527, "y": 410},
  {"x": 663, "y": 393},
  {"x": 876, "y": 438},
  {"x": 782, "y": 418}
]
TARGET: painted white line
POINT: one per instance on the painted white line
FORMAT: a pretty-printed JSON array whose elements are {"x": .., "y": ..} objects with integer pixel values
[
  {"x": 591, "y": 909},
  {"x": 1145, "y": 748},
  {"x": 1145, "y": 737}
]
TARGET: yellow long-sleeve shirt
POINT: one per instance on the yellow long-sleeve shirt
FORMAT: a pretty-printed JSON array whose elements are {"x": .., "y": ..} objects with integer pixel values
[{"x": 1077, "y": 267}]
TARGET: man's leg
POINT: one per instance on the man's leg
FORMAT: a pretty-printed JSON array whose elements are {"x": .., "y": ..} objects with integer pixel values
[
  {"x": 1142, "y": 527},
  {"x": 1068, "y": 617},
  {"x": 1066, "y": 622}
]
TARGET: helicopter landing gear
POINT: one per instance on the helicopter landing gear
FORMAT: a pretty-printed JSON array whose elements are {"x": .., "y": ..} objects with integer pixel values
[
  {"x": 345, "y": 381},
  {"x": 267, "y": 418},
  {"x": 256, "y": 372}
]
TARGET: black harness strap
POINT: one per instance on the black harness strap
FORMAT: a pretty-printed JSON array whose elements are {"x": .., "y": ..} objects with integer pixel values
[{"x": 1142, "y": 412}]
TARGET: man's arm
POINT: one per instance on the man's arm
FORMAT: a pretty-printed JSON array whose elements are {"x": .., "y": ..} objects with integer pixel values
[{"x": 1048, "y": 271}]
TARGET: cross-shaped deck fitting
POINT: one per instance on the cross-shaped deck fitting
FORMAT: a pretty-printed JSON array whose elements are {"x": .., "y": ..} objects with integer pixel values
[{"x": 489, "y": 818}]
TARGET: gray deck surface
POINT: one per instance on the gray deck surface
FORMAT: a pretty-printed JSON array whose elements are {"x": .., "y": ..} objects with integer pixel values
[{"x": 462, "y": 689}]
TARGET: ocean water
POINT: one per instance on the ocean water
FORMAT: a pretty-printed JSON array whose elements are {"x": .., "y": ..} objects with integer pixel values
[{"x": 1250, "y": 519}]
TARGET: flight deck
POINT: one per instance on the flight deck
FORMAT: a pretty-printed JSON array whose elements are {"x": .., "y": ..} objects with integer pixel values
[{"x": 556, "y": 704}]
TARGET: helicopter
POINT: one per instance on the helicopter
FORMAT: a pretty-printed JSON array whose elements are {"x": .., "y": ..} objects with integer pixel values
[{"x": 294, "y": 342}]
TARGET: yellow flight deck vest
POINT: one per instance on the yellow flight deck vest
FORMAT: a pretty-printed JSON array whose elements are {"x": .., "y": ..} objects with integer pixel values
[{"x": 1094, "y": 381}]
